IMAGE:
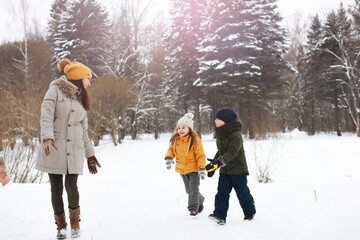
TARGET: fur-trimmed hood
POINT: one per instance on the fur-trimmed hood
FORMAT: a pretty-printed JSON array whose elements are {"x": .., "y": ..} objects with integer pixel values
[{"x": 69, "y": 89}]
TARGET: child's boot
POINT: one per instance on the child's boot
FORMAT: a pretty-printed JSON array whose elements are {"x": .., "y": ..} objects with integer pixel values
[
  {"x": 249, "y": 218},
  {"x": 193, "y": 213},
  {"x": 217, "y": 219}
]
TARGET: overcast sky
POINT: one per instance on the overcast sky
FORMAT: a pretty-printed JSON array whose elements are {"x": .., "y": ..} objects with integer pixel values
[{"x": 10, "y": 29}]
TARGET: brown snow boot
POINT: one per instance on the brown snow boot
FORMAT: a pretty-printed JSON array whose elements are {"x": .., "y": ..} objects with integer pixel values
[
  {"x": 61, "y": 226},
  {"x": 75, "y": 222}
]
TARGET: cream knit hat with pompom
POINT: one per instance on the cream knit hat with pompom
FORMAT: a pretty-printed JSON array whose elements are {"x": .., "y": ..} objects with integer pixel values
[{"x": 187, "y": 120}]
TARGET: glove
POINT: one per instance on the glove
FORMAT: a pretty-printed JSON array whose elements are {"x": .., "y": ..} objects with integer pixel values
[
  {"x": 214, "y": 164},
  {"x": 202, "y": 172},
  {"x": 92, "y": 162},
  {"x": 168, "y": 162},
  {"x": 47, "y": 145}
]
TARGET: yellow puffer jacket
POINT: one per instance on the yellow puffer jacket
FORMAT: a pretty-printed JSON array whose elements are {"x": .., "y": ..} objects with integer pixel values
[{"x": 187, "y": 160}]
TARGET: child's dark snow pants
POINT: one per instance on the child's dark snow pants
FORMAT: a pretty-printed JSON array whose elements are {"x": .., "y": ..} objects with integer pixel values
[{"x": 225, "y": 185}]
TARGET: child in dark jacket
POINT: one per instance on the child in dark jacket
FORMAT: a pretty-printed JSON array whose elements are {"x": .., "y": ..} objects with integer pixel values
[{"x": 230, "y": 158}]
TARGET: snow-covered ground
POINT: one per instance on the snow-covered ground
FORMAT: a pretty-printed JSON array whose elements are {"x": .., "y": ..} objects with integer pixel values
[{"x": 315, "y": 194}]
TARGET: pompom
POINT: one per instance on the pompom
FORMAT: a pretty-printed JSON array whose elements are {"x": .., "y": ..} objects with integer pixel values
[
  {"x": 189, "y": 115},
  {"x": 61, "y": 64}
]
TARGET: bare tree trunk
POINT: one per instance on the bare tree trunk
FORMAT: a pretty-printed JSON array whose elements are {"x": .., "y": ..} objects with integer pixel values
[
  {"x": 185, "y": 105},
  {"x": 198, "y": 118},
  {"x": 214, "y": 107},
  {"x": 23, "y": 66},
  {"x": 96, "y": 140},
  {"x": 112, "y": 134},
  {"x": 133, "y": 128},
  {"x": 133, "y": 131},
  {"x": 312, "y": 117},
  {"x": 156, "y": 130},
  {"x": 337, "y": 114},
  {"x": 357, "y": 112},
  {"x": 121, "y": 134},
  {"x": 251, "y": 119}
]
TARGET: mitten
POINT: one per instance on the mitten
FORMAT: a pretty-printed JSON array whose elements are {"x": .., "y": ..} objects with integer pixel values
[
  {"x": 92, "y": 162},
  {"x": 202, "y": 173},
  {"x": 168, "y": 162},
  {"x": 214, "y": 164},
  {"x": 47, "y": 145},
  {"x": 211, "y": 167}
]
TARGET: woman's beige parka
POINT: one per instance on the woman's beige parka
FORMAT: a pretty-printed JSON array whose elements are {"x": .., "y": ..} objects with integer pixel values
[{"x": 64, "y": 119}]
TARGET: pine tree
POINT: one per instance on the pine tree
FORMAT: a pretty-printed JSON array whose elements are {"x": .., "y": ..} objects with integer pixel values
[
  {"x": 355, "y": 11},
  {"x": 89, "y": 28},
  {"x": 330, "y": 45},
  {"x": 271, "y": 40},
  {"x": 314, "y": 68},
  {"x": 228, "y": 69},
  {"x": 342, "y": 75},
  {"x": 181, "y": 43},
  {"x": 242, "y": 53},
  {"x": 76, "y": 29},
  {"x": 271, "y": 37},
  {"x": 57, "y": 28},
  {"x": 228, "y": 49}
]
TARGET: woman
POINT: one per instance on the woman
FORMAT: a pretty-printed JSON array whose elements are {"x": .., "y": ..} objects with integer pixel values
[{"x": 64, "y": 134}]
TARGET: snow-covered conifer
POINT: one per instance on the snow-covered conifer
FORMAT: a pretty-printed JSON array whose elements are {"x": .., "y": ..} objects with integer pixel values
[{"x": 181, "y": 46}]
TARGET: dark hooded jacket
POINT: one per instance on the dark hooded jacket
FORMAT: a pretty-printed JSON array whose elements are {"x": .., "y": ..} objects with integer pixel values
[{"x": 229, "y": 143}]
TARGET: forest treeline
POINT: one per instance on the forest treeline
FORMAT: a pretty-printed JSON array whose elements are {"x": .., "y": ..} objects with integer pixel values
[{"x": 208, "y": 54}]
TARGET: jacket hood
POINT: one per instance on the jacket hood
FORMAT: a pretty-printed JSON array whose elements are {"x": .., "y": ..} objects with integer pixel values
[
  {"x": 224, "y": 131},
  {"x": 69, "y": 89}
]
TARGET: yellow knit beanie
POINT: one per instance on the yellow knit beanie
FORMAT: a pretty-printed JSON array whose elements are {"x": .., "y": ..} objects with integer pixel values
[{"x": 73, "y": 70}]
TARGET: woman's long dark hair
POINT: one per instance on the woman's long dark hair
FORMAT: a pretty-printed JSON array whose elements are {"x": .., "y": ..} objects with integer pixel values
[
  {"x": 85, "y": 100},
  {"x": 192, "y": 136}
]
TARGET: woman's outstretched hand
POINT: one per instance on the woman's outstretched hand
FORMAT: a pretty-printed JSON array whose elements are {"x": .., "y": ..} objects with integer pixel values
[{"x": 92, "y": 163}]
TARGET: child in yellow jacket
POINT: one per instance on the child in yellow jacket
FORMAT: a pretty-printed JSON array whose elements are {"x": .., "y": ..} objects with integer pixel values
[{"x": 186, "y": 147}]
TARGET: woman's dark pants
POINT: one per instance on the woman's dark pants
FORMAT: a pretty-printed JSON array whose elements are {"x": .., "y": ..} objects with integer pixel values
[{"x": 56, "y": 182}]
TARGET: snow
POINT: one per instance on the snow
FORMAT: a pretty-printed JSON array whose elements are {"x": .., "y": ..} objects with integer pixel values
[
  {"x": 222, "y": 64},
  {"x": 314, "y": 195},
  {"x": 231, "y": 37},
  {"x": 211, "y": 62},
  {"x": 210, "y": 48}
]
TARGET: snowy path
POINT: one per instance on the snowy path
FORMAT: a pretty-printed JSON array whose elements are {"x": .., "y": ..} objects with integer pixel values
[{"x": 134, "y": 197}]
